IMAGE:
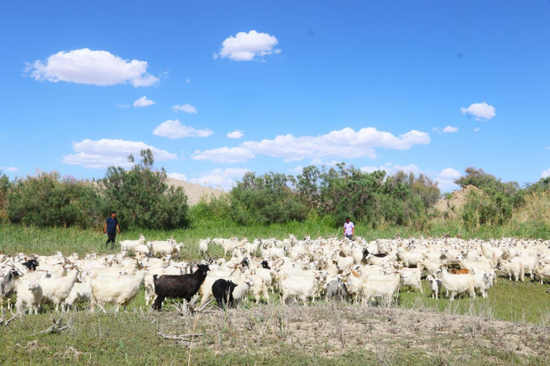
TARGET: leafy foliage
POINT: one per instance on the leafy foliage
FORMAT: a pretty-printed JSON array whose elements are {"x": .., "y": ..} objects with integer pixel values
[
  {"x": 266, "y": 199},
  {"x": 5, "y": 186},
  {"x": 141, "y": 197},
  {"x": 49, "y": 200}
]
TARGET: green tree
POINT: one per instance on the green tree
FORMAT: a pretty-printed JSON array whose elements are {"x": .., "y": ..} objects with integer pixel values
[{"x": 142, "y": 198}]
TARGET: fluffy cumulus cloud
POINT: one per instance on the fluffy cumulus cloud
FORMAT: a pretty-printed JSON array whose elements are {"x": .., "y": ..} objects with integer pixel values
[
  {"x": 481, "y": 111},
  {"x": 224, "y": 155},
  {"x": 103, "y": 153},
  {"x": 175, "y": 130},
  {"x": 343, "y": 144},
  {"x": 187, "y": 108},
  {"x": 85, "y": 66},
  {"x": 178, "y": 176},
  {"x": 143, "y": 102},
  {"x": 545, "y": 174},
  {"x": 237, "y": 134},
  {"x": 445, "y": 179},
  {"x": 10, "y": 169},
  {"x": 450, "y": 129},
  {"x": 248, "y": 46},
  {"x": 220, "y": 178}
]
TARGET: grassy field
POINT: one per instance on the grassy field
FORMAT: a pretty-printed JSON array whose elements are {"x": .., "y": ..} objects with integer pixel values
[{"x": 512, "y": 326}]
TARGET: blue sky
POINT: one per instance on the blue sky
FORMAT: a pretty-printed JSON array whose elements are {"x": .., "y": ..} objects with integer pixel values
[{"x": 425, "y": 86}]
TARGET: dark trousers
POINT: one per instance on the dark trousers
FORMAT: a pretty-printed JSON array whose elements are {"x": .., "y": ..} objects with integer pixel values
[
  {"x": 111, "y": 235},
  {"x": 349, "y": 236}
]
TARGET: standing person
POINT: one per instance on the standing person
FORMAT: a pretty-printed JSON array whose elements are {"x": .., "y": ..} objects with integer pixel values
[
  {"x": 110, "y": 228},
  {"x": 349, "y": 229}
]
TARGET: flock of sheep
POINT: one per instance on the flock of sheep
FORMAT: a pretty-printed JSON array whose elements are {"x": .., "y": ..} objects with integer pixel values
[{"x": 357, "y": 271}]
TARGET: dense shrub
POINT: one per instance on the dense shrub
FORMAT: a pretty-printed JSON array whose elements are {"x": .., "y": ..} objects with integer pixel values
[
  {"x": 495, "y": 205},
  {"x": 5, "y": 185},
  {"x": 49, "y": 200},
  {"x": 266, "y": 199},
  {"x": 372, "y": 198},
  {"x": 141, "y": 197}
]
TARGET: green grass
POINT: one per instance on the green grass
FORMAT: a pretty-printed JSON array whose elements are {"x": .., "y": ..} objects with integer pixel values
[{"x": 16, "y": 238}]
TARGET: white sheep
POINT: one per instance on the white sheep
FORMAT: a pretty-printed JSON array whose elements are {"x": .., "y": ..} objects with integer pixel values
[
  {"x": 435, "y": 286},
  {"x": 513, "y": 269},
  {"x": 483, "y": 281},
  {"x": 457, "y": 284},
  {"x": 79, "y": 292},
  {"x": 56, "y": 290},
  {"x": 132, "y": 244},
  {"x": 29, "y": 294},
  {"x": 300, "y": 286},
  {"x": 383, "y": 289},
  {"x": 120, "y": 292}
]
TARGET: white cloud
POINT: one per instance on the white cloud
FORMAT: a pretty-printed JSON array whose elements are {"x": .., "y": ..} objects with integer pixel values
[
  {"x": 123, "y": 105},
  {"x": 343, "y": 144},
  {"x": 10, "y": 169},
  {"x": 450, "y": 129},
  {"x": 178, "y": 176},
  {"x": 220, "y": 178},
  {"x": 85, "y": 66},
  {"x": 187, "y": 80},
  {"x": 481, "y": 111},
  {"x": 298, "y": 170},
  {"x": 187, "y": 108},
  {"x": 175, "y": 130},
  {"x": 143, "y": 102},
  {"x": 248, "y": 46},
  {"x": 224, "y": 155},
  {"x": 445, "y": 179},
  {"x": 390, "y": 168},
  {"x": 106, "y": 152},
  {"x": 477, "y": 129},
  {"x": 237, "y": 134},
  {"x": 545, "y": 174}
]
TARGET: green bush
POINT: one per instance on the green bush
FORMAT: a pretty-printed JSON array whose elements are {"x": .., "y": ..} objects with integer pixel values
[
  {"x": 266, "y": 199},
  {"x": 49, "y": 200},
  {"x": 5, "y": 185},
  {"x": 141, "y": 197}
]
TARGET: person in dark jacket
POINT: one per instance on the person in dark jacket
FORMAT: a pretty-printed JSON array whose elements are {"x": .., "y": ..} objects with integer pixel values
[{"x": 110, "y": 229}]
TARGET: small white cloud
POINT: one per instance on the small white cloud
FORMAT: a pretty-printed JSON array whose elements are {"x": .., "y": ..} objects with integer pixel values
[
  {"x": 143, "y": 102},
  {"x": 450, "y": 129},
  {"x": 178, "y": 176},
  {"x": 175, "y": 130},
  {"x": 481, "y": 111},
  {"x": 85, "y": 66},
  {"x": 342, "y": 144},
  {"x": 248, "y": 46},
  {"x": 224, "y": 155},
  {"x": 103, "y": 153},
  {"x": 298, "y": 170},
  {"x": 445, "y": 179},
  {"x": 123, "y": 105},
  {"x": 187, "y": 80},
  {"x": 237, "y": 134},
  {"x": 477, "y": 129},
  {"x": 220, "y": 178},
  {"x": 187, "y": 108},
  {"x": 10, "y": 169},
  {"x": 545, "y": 174}
]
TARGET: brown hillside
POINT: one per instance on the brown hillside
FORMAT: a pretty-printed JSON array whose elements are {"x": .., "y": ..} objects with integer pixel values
[
  {"x": 453, "y": 205},
  {"x": 195, "y": 192}
]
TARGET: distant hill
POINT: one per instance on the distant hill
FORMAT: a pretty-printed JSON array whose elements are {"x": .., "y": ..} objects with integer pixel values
[
  {"x": 195, "y": 192},
  {"x": 453, "y": 206}
]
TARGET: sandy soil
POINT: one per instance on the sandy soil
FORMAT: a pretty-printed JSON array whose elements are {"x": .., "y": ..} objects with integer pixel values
[
  {"x": 195, "y": 192},
  {"x": 451, "y": 207}
]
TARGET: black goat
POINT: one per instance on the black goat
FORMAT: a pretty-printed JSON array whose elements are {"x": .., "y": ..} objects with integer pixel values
[
  {"x": 265, "y": 265},
  {"x": 244, "y": 262},
  {"x": 31, "y": 264},
  {"x": 366, "y": 253},
  {"x": 178, "y": 286},
  {"x": 223, "y": 292}
]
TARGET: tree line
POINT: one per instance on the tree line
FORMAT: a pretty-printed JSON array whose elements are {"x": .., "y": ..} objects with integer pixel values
[{"x": 143, "y": 199}]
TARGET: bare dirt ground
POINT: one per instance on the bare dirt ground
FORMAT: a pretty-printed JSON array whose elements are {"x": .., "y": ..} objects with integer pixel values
[
  {"x": 333, "y": 329},
  {"x": 195, "y": 192}
]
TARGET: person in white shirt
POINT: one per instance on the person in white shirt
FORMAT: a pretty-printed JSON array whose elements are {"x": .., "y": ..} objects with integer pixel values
[{"x": 349, "y": 229}]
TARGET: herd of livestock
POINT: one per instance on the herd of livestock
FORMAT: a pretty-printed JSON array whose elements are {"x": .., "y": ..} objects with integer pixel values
[{"x": 331, "y": 268}]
